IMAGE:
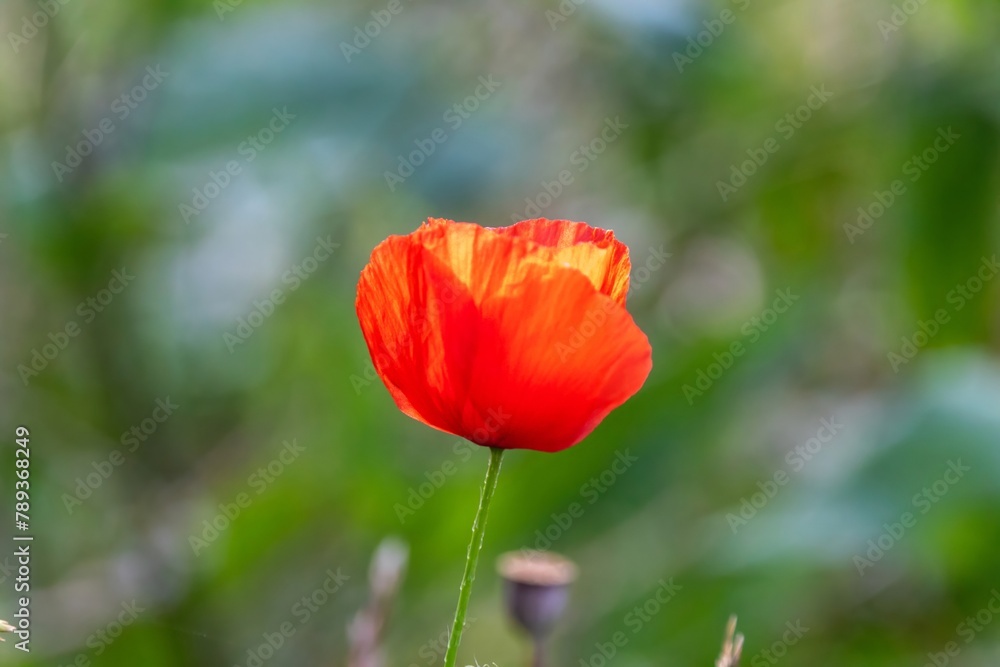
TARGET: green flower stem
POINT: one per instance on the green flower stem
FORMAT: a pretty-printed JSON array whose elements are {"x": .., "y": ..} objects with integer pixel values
[{"x": 472, "y": 557}]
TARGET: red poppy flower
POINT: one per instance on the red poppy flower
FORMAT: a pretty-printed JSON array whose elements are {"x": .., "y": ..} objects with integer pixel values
[{"x": 514, "y": 337}]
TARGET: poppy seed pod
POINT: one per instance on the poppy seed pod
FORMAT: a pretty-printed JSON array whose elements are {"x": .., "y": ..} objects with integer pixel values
[{"x": 536, "y": 589}]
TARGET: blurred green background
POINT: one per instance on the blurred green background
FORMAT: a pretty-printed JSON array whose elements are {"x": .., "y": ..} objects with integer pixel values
[{"x": 823, "y": 177}]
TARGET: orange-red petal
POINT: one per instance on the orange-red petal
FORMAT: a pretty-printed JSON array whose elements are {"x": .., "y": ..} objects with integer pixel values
[
  {"x": 410, "y": 308},
  {"x": 595, "y": 253},
  {"x": 555, "y": 358},
  {"x": 499, "y": 336}
]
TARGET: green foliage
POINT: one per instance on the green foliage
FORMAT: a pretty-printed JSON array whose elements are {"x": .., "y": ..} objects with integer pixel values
[{"x": 738, "y": 494}]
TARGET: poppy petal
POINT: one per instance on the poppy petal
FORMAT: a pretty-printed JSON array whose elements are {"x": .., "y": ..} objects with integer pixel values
[
  {"x": 555, "y": 357},
  {"x": 492, "y": 337},
  {"x": 595, "y": 252},
  {"x": 407, "y": 302}
]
